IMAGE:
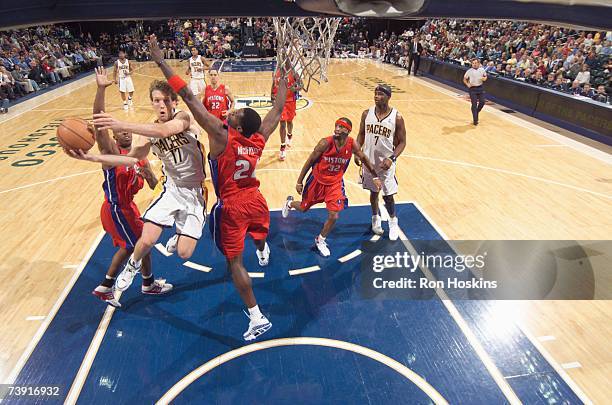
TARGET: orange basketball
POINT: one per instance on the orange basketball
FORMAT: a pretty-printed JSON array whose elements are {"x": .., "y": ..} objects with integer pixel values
[{"x": 76, "y": 133}]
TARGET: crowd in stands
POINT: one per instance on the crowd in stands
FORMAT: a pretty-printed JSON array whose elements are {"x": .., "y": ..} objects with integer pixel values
[
  {"x": 562, "y": 59},
  {"x": 35, "y": 58}
]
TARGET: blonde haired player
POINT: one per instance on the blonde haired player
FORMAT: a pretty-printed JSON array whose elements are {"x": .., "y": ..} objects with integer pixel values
[
  {"x": 123, "y": 70},
  {"x": 196, "y": 68}
]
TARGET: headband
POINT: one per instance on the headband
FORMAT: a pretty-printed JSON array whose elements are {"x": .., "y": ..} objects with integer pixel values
[{"x": 344, "y": 124}]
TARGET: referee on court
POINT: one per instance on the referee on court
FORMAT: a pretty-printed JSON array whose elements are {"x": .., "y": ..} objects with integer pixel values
[{"x": 473, "y": 79}]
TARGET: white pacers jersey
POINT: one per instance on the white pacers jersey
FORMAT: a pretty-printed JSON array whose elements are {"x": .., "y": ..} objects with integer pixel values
[
  {"x": 123, "y": 68},
  {"x": 182, "y": 158},
  {"x": 379, "y": 136},
  {"x": 197, "y": 67}
]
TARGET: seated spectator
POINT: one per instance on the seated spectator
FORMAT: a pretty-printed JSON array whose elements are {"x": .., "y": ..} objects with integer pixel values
[
  {"x": 587, "y": 91},
  {"x": 601, "y": 95},
  {"x": 550, "y": 80},
  {"x": 14, "y": 90},
  {"x": 491, "y": 67},
  {"x": 575, "y": 88},
  {"x": 50, "y": 72},
  {"x": 21, "y": 78},
  {"x": 584, "y": 76},
  {"x": 37, "y": 74},
  {"x": 560, "y": 84}
]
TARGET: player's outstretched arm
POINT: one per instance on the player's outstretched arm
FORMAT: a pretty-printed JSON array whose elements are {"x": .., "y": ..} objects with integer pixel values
[
  {"x": 138, "y": 152},
  {"x": 314, "y": 156},
  {"x": 178, "y": 124},
  {"x": 366, "y": 162},
  {"x": 272, "y": 118},
  {"x": 361, "y": 135},
  {"x": 106, "y": 146},
  {"x": 115, "y": 71},
  {"x": 216, "y": 133}
]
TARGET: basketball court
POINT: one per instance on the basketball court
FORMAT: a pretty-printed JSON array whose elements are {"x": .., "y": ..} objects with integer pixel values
[{"x": 507, "y": 178}]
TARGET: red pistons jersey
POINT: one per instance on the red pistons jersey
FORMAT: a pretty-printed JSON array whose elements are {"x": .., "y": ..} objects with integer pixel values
[
  {"x": 233, "y": 172},
  {"x": 332, "y": 164},
  {"x": 291, "y": 96},
  {"x": 216, "y": 100},
  {"x": 121, "y": 183}
]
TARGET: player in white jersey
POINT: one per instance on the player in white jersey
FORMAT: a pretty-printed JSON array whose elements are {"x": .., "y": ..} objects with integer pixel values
[
  {"x": 123, "y": 70},
  {"x": 382, "y": 134},
  {"x": 196, "y": 68},
  {"x": 174, "y": 138}
]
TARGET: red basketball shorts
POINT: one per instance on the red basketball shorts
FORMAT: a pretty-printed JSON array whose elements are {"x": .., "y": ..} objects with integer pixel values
[
  {"x": 122, "y": 223},
  {"x": 332, "y": 195},
  {"x": 232, "y": 220}
]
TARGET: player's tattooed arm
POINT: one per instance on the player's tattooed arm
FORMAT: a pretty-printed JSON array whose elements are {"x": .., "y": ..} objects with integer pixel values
[
  {"x": 106, "y": 146},
  {"x": 217, "y": 135},
  {"x": 272, "y": 118},
  {"x": 361, "y": 135},
  {"x": 314, "y": 156}
]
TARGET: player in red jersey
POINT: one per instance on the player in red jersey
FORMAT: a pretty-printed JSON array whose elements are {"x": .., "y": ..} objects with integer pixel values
[
  {"x": 119, "y": 214},
  {"x": 217, "y": 97},
  {"x": 286, "y": 122},
  {"x": 327, "y": 164},
  {"x": 235, "y": 149}
]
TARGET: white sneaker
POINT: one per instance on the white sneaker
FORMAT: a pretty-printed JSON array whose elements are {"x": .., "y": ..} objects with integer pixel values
[
  {"x": 264, "y": 257},
  {"x": 287, "y": 207},
  {"x": 322, "y": 247},
  {"x": 257, "y": 327},
  {"x": 282, "y": 155},
  {"x": 125, "y": 278},
  {"x": 158, "y": 287},
  {"x": 125, "y": 107},
  {"x": 289, "y": 138},
  {"x": 393, "y": 229},
  {"x": 171, "y": 244},
  {"x": 377, "y": 225}
]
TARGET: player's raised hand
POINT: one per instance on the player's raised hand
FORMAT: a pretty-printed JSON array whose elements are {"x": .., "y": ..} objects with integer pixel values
[
  {"x": 106, "y": 121},
  {"x": 101, "y": 79},
  {"x": 156, "y": 53}
]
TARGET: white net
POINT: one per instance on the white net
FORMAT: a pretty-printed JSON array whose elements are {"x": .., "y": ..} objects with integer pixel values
[{"x": 303, "y": 45}]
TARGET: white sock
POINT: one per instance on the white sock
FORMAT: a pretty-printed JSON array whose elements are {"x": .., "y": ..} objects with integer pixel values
[
  {"x": 321, "y": 238},
  {"x": 134, "y": 262},
  {"x": 103, "y": 289},
  {"x": 255, "y": 312}
]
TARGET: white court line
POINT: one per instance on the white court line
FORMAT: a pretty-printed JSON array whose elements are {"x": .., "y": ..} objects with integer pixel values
[
  {"x": 43, "y": 327},
  {"x": 539, "y": 347},
  {"x": 547, "y": 338},
  {"x": 494, "y": 169},
  {"x": 70, "y": 266},
  {"x": 304, "y": 270},
  {"x": 198, "y": 267},
  {"x": 257, "y": 274},
  {"x": 36, "y": 318},
  {"x": 375, "y": 238},
  {"x": 162, "y": 249},
  {"x": 553, "y": 145},
  {"x": 350, "y": 256},
  {"x": 48, "y": 181},
  {"x": 465, "y": 328},
  {"x": 573, "y": 364},
  {"x": 416, "y": 379},
  {"x": 90, "y": 355}
]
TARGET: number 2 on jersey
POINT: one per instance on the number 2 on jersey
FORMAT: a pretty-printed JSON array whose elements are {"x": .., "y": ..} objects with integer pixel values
[{"x": 243, "y": 167}]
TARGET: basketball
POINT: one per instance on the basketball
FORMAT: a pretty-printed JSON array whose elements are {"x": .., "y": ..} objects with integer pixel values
[{"x": 76, "y": 133}]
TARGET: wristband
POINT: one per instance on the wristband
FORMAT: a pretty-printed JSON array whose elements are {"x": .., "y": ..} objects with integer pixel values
[
  {"x": 375, "y": 178},
  {"x": 299, "y": 184},
  {"x": 176, "y": 83}
]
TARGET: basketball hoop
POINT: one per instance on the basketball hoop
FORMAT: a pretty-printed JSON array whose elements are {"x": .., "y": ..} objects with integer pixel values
[{"x": 303, "y": 45}]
